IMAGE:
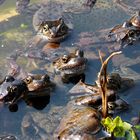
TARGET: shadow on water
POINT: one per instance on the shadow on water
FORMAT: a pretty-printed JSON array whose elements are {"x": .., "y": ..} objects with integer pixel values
[{"x": 38, "y": 103}]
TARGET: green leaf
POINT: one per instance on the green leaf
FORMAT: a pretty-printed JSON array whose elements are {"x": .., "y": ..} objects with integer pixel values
[
  {"x": 108, "y": 124},
  {"x": 120, "y": 128},
  {"x": 119, "y": 131},
  {"x": 137, "y": 127},
  {"x": 127, "y": 126},
  {"x": 118, "y": 121},
  {"x": 133, "y": 134},
  {"x": 128, "y": 136}
]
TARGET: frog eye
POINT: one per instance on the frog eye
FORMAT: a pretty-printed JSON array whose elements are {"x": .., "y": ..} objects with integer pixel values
[
  {"x": 28, "y": 80},
  {"x": 8, "y": 89},
  {"x": 65, "y": 58},
  {"x": 111, "y": 105},
  {"x": 46, "y": 27},
  {"x": 110, "y": 80},
  {"x": 14, "y": 89}
]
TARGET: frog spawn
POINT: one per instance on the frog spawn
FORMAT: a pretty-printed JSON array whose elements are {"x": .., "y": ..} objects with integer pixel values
[{"x": 82, "y": 120}]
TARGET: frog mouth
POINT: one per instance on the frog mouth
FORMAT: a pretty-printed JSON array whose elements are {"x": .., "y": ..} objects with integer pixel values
[
  {"x": 74, "y": 68},
  {"x": 53, "y": 31},
  {"x": 55, "y": 39}
]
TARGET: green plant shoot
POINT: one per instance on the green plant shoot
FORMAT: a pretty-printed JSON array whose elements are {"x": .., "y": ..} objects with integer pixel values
[{"x": 120, "y": 128}]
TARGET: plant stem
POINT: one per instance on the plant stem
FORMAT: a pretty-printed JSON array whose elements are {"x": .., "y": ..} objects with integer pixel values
[{"x": 103, "y": 83}]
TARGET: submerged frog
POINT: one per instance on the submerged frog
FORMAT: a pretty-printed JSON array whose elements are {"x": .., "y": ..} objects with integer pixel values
[
  {"x": 26, "y": 89},
  {"x": 71, "y": 65},
  {"x": 82, "y": 119},
  {"x": 129, "y": 31}
]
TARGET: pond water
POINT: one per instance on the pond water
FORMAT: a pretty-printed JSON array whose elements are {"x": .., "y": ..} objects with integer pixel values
[{"x": 89, "y": 33}]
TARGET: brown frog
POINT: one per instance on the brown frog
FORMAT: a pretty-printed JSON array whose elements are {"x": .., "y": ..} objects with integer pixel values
[
  {"x": 39, "y": 85},
  {"x": 51, "y": 19},
  {"x": 82, "y": 119},
  {"x": 31, "y": 87},
  {"x": 128, "y": 32},
  {"x": 71, "y": 65},
  {"x": 53, "y": 31},
  {"x": 118, "y": 83}
]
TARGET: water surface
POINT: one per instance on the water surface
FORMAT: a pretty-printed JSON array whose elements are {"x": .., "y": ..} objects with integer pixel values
[{"x": 16, "y": 30}]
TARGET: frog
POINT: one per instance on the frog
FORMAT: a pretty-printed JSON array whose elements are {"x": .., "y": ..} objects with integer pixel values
[
  {"x": 38, "y": 83},
  {"x": 52, "y": 21},
  {"x": 41, "y": 123},
  {"x": 15, "y": 92},
  {"x": 129, "y": 31},
  {"x": 26, "y": 89},
  {"x": 71, "y": 65},
  {"x": 118, "y": 83},
  {"x": 73, "y": 125},
  {"x": 53, "y": 31},
  {"x": 52, "y": 11}
]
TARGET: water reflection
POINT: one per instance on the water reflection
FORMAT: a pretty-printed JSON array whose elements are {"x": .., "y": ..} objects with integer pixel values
[
  {"x": 38, "y": 102},
  {"x": 88, "y": 34}
]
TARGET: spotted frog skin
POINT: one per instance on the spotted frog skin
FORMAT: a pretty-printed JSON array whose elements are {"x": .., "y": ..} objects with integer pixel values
[
  {"x": 71, "y": 65},
  {"x": 129, "y": 31}
]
